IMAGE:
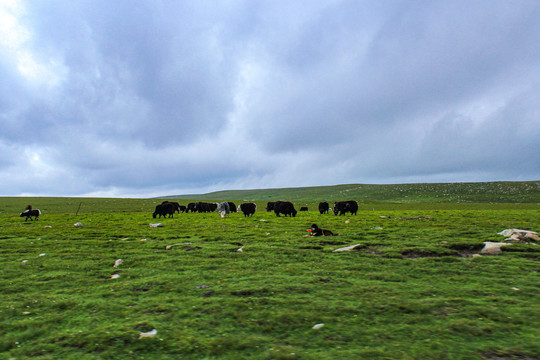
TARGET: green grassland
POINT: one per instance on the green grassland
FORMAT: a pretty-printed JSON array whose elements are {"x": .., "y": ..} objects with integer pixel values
[
  {"x": 496, "y": 192},
  {"x": 411, "y": 290}
]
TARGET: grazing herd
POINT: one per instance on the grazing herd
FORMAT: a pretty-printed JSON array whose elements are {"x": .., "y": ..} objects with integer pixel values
[
  {"x": 167, "y": 209},
  {"x": 285, "y": 208}
]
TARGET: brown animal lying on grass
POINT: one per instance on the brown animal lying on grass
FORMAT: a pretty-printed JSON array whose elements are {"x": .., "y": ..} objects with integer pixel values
[{"x": 317, "y": 231}]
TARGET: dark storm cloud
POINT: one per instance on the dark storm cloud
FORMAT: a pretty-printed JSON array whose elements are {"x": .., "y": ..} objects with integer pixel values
[{"x": 137, "y": 98}]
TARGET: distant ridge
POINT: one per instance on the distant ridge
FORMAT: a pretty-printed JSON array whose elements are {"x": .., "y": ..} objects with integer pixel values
[{"x": 496, "y": 192}]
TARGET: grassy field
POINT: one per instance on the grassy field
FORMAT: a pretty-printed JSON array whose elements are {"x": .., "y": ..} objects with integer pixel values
[
  {"x": 483, "y": 192},
  {"x": 411, "y": 290}
]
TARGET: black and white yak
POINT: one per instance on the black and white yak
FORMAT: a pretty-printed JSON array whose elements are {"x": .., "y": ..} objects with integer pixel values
[
  {"x": 223, "y": 209},
  {"x": 29, "y": 213}
]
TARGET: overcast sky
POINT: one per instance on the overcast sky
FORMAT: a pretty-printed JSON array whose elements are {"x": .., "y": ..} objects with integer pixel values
[{"x": 144, "y": 98}]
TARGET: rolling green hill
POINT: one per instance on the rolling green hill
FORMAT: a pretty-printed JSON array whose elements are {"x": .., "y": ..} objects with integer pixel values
[{"x": 497, "y": 192}]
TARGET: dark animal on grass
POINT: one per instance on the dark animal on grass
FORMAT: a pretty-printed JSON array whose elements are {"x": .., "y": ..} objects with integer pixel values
[
  {"x": 232, "y": 206},
  {"x": 324, "y": 207},
  {"x": 317, "y": 231},
  {"x": 191, "y": 207},
  {"x": 164, "y": 209},
  {"x": 304, "y": 208},
  {"x": 247, "y": 208},
  {"x": 270, "y": 206},
  {"x": 30, "y": 213},
  {"x": 343, "y": 207},
  {"x": 285, "y": 208},
  {"x": 204, "y": 207},
  {"x": 182, "y": 208},
  {"x": 175, "y": 204},
  {"x": 223, "y": 209}
]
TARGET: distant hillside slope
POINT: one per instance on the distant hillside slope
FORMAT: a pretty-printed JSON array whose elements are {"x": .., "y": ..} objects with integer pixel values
[{"x": 497, "y": 192}]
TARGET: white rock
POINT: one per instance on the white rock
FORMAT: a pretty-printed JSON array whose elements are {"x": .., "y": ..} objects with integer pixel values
[
  {"x": 347, "y": 248},
  {"x": 115, "y": 276},
  {"x": 169, "y": 247},
  {"x": 156, "y": 225},
  {"x": 118, "y": 262},
  {"x": 148, "y": 334},
  {"x": 492, "y": 247},
  {"x": 509, "y": 232},
  {"x": 79, "y": 224},
  {"x": 317, "y": 326}
]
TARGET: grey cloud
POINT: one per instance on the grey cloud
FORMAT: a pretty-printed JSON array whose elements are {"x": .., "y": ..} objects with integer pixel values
[{"x": 149, "y": 96}]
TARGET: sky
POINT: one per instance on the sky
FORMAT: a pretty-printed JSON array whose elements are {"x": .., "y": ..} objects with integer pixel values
[{"x": 148, "y": 98}]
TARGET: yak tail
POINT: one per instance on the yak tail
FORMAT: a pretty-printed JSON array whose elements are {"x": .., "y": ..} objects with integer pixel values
[{"x": 39, "y": 211}]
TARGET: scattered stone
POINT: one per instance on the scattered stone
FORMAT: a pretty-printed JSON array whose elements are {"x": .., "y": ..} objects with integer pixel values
[
  {"x": 168, "y": 247},
  {"x": 118, "y": 262},
  {"x": 492, "y": 248},
  {"x": 202, "y": 286},
  {"x": 317, "y": 326},
  {"x": 156, "y": 225},
  {"x": 24, "y": 261},
  {"x": 347, "y": 248},
  {"x": 518, "y": 235},
  {"x": 208, "y": 293},
  {"x": 377, "y": 228},
  {"x": 115, "y": 276},
  {"x": 151, "y": 333},
  {"x": 43, "y": 254},
  {"x": 26, "y": 312},
  {"x": 515, "y": 288},
  {"x": 47, "y": 226},
  {"x": 143, "y": 239},
  {"x": 78, "y": 224},
  {"x": 240, "y": 250}
]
